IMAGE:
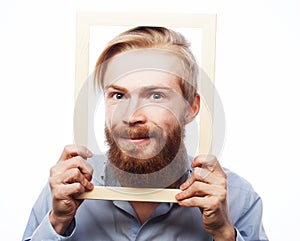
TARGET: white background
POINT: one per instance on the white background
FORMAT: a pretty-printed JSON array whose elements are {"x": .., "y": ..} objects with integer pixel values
[{"x": 257, "y": 76}]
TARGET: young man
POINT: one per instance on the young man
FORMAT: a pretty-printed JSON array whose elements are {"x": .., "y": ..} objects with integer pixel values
[{"x": 149, "y": 79}]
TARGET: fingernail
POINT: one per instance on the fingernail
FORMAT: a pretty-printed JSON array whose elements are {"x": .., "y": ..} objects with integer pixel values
[{"x": 90, "y": 185}]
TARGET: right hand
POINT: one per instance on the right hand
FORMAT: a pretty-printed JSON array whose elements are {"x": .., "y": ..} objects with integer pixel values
[{"x": 70, "y": 176}]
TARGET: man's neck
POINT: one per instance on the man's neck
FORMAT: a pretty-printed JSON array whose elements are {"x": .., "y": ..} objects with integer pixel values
[{"x": 144, "y": 210}]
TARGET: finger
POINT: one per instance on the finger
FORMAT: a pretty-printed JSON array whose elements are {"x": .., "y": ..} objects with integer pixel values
[
  {"x": 74, "y": 175},
  {"x": 200, "y": 189},
  {"x": 209, "y": 163},
  {"x": 75, "y": 162},
  {"x": 203, "y": 175},
  {"x": 204, "y": 203},
  {"x": 63, "y": 186},
  {"x": 83, "y": 165},
  {"x": 65, "y": 191},
  {"x": 205, "y": 161},
  {"x": 75, "y": 150}
]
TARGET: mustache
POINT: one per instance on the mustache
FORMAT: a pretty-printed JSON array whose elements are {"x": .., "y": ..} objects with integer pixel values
[{"x": 137, "y": 132}]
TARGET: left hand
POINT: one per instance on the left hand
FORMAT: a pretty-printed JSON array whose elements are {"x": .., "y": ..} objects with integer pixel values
[{"x": 206, "y": 188}]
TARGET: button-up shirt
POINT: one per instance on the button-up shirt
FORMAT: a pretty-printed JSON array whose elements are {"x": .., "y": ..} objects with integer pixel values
[{"x": 117, "y": 220}]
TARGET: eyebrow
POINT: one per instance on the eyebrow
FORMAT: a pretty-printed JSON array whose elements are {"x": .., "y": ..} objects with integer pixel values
[
  {"x": 116, "y": 87},
  {"x": 146, "y": 88},
  {"x": 152, "y": 88}
]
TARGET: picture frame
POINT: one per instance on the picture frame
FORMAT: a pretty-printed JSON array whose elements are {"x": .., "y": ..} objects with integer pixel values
[{"x": 86, "y": 21}]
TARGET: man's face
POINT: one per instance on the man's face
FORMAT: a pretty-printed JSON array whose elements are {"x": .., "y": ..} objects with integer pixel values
[{"x": 145, "y": 115}]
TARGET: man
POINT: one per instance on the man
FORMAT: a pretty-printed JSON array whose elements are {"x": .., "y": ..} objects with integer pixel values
[{"x": 149, "y": 79}]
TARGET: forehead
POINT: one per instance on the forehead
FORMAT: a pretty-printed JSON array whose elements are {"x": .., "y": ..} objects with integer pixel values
[
  {"x": 146, "y": 78},
  {"x": 162, "y": 65}
]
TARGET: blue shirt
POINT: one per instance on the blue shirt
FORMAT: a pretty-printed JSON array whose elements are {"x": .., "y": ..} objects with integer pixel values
[{"x": 117, "y": 221}]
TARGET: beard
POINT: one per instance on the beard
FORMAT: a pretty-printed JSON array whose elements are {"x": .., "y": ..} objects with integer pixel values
[{"x": 159, "y": 162}]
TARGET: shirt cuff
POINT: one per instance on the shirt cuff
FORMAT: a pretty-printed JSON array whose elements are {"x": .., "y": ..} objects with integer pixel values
[{"x": 46, "y": 232}]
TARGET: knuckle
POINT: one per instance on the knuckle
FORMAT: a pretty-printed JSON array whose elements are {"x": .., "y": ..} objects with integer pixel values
[
  {"x": 53, "y": 170},
  {"x": 78, "y": 159},
  {"x": 212, "y": 157},
  {"x": 51, "y": 182},
  {"x": 196, "y": 172},
  {"x": 78, "y": 188},
  {"x": 75, "y": 172},
  {"x": 67, "y": 148}
]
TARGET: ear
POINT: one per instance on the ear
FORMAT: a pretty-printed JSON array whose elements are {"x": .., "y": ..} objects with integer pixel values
[{"x": 192, "y": 110}]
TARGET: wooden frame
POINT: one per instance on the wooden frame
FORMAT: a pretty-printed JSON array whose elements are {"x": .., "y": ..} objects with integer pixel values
[{"x": 206, "y": 22}]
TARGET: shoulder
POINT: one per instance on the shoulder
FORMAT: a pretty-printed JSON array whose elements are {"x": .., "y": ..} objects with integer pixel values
[
  {"x": 236, "y": 181},
  {"x": 239, "y": 186},
  {"x": 241, "y": 194}
]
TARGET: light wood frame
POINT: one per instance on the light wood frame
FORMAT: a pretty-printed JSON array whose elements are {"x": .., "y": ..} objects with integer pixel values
[{"x": 207, "y": 23}]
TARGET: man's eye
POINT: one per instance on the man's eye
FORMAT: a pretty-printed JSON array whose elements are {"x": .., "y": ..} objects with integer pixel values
[
  {"x": 118, "y": 96},
  {"x": 157, "y": 96}
]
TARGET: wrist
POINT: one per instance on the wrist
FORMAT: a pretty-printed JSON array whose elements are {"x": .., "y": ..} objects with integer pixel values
[
  {"x": 226, "y": 234},
  {"x": 59, "y": 224}
]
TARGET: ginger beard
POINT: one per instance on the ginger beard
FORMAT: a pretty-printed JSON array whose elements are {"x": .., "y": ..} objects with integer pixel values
[{"x": 159, "y": 162}]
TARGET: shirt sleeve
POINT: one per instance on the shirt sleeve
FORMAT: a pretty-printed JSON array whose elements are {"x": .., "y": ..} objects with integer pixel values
[
  {"x": 246, "y": 209},
  {"x": 46, "y": 232},
  {"x": 39, "y": 227},
  {"x": 249, "y": 226}
]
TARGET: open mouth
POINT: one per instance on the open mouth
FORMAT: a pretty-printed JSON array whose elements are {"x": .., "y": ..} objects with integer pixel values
[{"x": 138, "y": 140}]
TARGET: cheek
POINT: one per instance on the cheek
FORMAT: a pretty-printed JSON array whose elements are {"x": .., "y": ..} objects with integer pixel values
[
  {"x": 165, "y": 117},
  {"x": 109, "y": 113}
]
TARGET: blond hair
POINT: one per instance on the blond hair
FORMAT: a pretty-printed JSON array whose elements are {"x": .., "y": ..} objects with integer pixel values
[{"x": 153, "y": 37}]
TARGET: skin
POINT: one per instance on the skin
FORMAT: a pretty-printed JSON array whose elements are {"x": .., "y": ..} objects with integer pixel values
[
  {"x": 70, "y": 176},
  {"x": 206, "y": 189},
  {"x": 157, "y": 100}
]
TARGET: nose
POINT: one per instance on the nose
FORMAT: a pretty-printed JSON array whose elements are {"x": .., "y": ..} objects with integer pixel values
[{"x": 134, "y": 113}]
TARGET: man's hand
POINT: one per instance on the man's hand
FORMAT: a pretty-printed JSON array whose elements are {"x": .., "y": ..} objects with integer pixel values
[
  {"x": 206, "y": 189},
  {"x": 71, "y": 175}
]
